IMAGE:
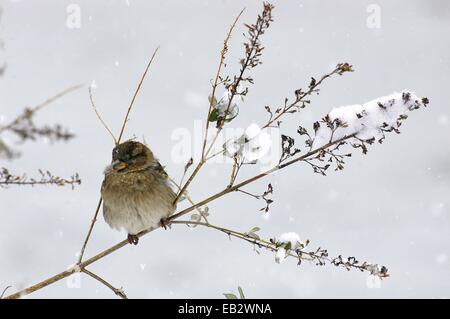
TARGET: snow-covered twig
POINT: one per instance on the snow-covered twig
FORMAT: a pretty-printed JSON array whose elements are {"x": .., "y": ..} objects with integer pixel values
[{"x": 290, "y": 245}]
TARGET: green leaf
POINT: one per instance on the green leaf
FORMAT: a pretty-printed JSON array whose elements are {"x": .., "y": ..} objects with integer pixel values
[
  {"x": 254, "y": 230},
  {"x": 212, "y": 101},
  {"x": 241, "y": 292},
  {"x": 288, "y": 246},
  {"x": 213, "y": 115},
  {"x": 195, "y": 217},
  {"x": 230, "y": 296}
]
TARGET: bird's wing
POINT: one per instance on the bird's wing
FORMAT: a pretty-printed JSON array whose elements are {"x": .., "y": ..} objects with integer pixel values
[{"x": 159, "y": 169}]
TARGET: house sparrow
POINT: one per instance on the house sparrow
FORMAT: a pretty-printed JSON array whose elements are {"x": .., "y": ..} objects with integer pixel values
[{"x": 136, "y": 192}]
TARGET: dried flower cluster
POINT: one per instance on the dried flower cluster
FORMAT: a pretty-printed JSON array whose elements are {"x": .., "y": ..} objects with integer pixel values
[
  {"x": 45, "y": 178},
  {"x": 356, "y": 125},
  {"x": 227, "y": 109},
  {"x": 294, "y": 247},
  {"x": 25, "y": 128}
]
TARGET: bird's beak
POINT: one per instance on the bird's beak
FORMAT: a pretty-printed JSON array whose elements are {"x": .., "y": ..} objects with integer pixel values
[{"x": 118, "y": 165}]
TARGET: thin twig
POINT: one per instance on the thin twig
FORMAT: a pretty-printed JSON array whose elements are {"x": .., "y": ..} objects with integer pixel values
[
  {"x": 118, "y": 291},
  {"x": 36, "y": 108},
  {"x": 47, "y": 178},
  {"x": 216, "y": 79},
  {"x": 299, "y": 98},
  {"x": 99, "y": 116},
  {"x": 320, "y": 256},
  {"x": 91, "y": 227},
  {"x": 211, "y": 102},
  {"x": 123, "y": 243},
  {"x": 94, "y": 219},
  {"x": 259, "y": 176},
  {"x": 190, "y": 200},
  {"x": 135, "y": 95},
  {"x": 4, "y": 290}
]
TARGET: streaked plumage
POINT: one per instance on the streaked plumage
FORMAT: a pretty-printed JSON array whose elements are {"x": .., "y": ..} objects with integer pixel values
[{"x": 136, "y": 191}]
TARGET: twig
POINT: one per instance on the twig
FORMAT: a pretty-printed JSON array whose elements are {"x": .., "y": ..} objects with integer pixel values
[
  {"x": 259, "y": 176},
  {"x": 300, "y": 95},
  {"x": 125, "y": 120},
  {"x": 190, "y": 200},
  {"x": 29, "y": 111},
  {"x": 123, "y": 243},
  {"x": 320, "y": 256},
  {"x": 47, "y": 178},
  {"x": 94, "y": 219},
  {"x": 91, "y": 227},
  {"x": 252, "y": 50},
  {"x": 211, "y": 103},
  {"x": 4, "y": 290},
  {"x": 216, "y": 79},
  {"x": 99, "y": 117},
  {"x": 118, "y": 291}
]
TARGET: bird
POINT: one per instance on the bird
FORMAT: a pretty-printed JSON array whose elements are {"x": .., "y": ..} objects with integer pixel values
[{"x": 136, "y": 191}]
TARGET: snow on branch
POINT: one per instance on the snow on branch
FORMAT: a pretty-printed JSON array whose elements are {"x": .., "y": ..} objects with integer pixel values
[
  {"x": 357, "y": 125},
  {"x": 368, "y": 121}
]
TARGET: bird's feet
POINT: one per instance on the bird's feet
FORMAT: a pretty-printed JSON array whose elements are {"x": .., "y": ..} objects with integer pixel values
[
  {"x": 133, "y": 239},
  {"x": 165, "y": 222}
]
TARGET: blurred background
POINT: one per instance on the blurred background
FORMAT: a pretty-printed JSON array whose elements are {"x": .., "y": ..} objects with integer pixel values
[{"x": 389, "y": 207}]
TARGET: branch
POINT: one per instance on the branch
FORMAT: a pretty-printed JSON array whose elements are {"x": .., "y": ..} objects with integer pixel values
[
  {"x": 4, "y": 291},
  {"x": 211, "y": 105},
  {"x": 136, "y": 92},
  {"x": 123, "y": 243},
  {"x": 293, "y": 107},
  {"x": 29, "y": 112},
  {"x": 319, "y": 256},
  {"x": 125, "y": 120},
  {"x": 253, "y": 51},
  {"x": 47, "y": 178},
  {"x": 99, "y": 116},
  {"x": 118, "y": 291}
]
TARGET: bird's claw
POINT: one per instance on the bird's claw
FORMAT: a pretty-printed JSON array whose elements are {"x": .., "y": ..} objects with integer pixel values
[
  {"x": 133, "y": 239},
  {"x": 165, "y": 223}
]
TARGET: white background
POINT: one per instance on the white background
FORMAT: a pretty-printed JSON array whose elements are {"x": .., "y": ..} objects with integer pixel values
[{"x": 390, "y": 207}]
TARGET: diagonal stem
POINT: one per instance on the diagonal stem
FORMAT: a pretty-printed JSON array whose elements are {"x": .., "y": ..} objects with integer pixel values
[
  {"x": 94, "y": 219},
  {"x": 118, "y": 291},
  {"x": 123, "y": 243}
]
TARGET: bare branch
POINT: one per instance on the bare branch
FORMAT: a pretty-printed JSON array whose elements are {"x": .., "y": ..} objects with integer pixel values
[
  {"x": 318, "y": 256},
  {"x": 125, "y": 120},
  {"x": 211, "y": 105},
  {"x": 4, "y": 291},
  {"x": 118, "y": 291},
  {"x": 136, "y": 92},
  {"x": 99, "y": 116},
  {"x": 46, "y": 178},
  {"x": 29, "y": 112}
]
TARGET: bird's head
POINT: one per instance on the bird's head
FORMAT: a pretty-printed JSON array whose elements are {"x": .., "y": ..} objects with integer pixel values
[{"x": 131, "y": 155}]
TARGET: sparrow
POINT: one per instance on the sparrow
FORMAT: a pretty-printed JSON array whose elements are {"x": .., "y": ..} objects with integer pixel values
[{"x": 136, "y": 191}]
